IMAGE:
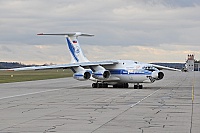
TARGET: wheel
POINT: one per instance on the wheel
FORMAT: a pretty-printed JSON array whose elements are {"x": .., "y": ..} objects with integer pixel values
[
  {"x": 99, "y": 85},
  {"x": 135, "y": 86},
  {"x": 115, "y": 86},
  {"x": 94, "y": 85},
  {"x": 126, "y": 85},
  {"x": 105, "y": 85},
  {"x": 140, "y": 86},
  {"x": 120, "y": 86}
]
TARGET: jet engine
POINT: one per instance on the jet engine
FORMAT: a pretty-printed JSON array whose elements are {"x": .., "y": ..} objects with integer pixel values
[
  {"x": 101, "y": 74},
  {"x": 82, "y": 75},
  {"x": 157, "y": 75}
]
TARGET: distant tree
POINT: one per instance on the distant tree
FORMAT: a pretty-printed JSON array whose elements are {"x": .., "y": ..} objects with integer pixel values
[{"x": 8, "y": 65}]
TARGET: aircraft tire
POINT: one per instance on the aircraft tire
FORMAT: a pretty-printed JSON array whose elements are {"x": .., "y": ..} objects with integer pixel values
[
  {"x": 135, "y": 86},
  {"x": 94, "y": 85},
  {"x": 140, "y": 86},
  {"x": 105, "y": 85},
  {"x": 125, "y": 85},
  {"x": 99, "y": 85},
  {"x": 115, "y": 86},
  {"x": 120, "y": 86}
]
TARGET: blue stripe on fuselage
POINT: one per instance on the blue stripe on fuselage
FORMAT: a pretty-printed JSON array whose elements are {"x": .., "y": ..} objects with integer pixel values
[{"x": 125, "y": 72}]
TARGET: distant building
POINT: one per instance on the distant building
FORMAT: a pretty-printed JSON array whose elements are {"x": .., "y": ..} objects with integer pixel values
[
  {"x": 196, "y": 66},
  {"x": 192, "y": 64}
]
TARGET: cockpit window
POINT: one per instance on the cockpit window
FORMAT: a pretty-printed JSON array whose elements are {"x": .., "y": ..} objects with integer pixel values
[{"x": 150, "y": 68}]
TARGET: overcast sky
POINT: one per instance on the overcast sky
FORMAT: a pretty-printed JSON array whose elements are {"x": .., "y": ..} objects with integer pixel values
[{"x": 142, "y": 30}]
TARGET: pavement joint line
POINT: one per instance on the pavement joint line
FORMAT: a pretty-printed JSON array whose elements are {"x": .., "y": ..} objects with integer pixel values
[
  {"x": 50, "y": 113},
  {"x": 145, "y": 98},
  {"x": 118, "y": 95},
  {"x": 61, "y": 109},
  {"x": 46, "y": 114},
  {"x": 32, "y": 93},
  {"x": 127, "y": 109},
  {"x": 191, "y": 123}
]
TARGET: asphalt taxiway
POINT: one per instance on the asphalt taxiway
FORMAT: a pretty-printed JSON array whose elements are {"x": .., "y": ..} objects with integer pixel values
[{"x": 66, "y": 105}]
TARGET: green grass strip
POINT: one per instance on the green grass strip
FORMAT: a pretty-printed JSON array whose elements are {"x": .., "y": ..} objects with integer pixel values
[{"x": 20, "y": 76}]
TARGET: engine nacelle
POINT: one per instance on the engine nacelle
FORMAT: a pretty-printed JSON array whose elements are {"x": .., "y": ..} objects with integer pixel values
[
  {"x": 101, "y": 74},
  {"x": 157, "y": 75},
  {"x": 82, "y": 75}
]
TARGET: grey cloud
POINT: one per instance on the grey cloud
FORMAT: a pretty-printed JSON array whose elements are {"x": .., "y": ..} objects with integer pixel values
[
  {"x": 125, "y": 23},
  {"x": 171, "y": 3},
  {"x": 23, "y": 19},
  {"x": 5, "y": 49}
]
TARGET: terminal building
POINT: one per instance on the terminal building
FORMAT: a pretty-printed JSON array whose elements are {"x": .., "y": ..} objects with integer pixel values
[{"x": 192, "y": 64}]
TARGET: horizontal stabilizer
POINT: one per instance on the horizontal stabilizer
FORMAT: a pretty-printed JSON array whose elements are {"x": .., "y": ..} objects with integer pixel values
[{"x": 67, "y": 34}]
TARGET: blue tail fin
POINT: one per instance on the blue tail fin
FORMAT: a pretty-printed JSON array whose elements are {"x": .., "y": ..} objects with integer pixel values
[
  {"x": 73, "y": 45},
  {"x": 75, "y": 50}
]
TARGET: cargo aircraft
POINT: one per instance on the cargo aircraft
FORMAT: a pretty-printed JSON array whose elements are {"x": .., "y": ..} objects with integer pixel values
[{"x": 115, "y": 73}]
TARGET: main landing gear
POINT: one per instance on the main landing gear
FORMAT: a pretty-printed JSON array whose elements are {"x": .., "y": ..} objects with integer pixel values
[
  {"x": 138, "y": 86},
  {"x": 105, "y": 85},
  {"x": 123, "y": 85},
  {"x": 99, "y": 85}
]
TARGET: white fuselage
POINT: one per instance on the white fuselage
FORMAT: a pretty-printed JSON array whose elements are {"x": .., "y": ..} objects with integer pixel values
[{"x": 128, "y": 71}]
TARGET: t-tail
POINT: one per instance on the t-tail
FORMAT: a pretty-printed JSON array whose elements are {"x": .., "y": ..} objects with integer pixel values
[{"x": 76, "y": 52}]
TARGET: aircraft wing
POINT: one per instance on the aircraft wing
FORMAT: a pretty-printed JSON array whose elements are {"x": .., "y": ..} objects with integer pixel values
[
  {"x": 65, "y": 66},
  {"x": 165, "y": 68}
]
